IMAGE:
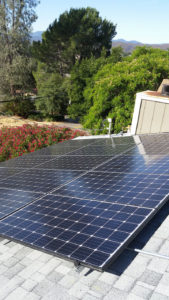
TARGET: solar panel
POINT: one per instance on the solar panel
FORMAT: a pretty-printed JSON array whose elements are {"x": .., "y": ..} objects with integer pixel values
[
  {"x": 12, "y": 200},
  {"x": 88, "y": 216},
  {"x": 105, "y": 150},
  {"x": 62, "y": 148},
  {"x": 157, "y": 149},
  {"x": 78, "y": 143},
  {"x": 35, "y": 180},
  {"x": 74, "y": 162},
  {"x": 87, "y": 231},
  {"x": 137, "y": 164},
  {"x": 143, "y": 190},
  {"x": 125, "y": 140},
  {"x": 54, "y": 151},
  {"x": 25, "y": 161},
  {"x": 7, "y": 172}
]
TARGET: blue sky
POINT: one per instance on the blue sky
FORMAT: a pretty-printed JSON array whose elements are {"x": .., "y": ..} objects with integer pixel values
[{"x": 146, "y": 21}]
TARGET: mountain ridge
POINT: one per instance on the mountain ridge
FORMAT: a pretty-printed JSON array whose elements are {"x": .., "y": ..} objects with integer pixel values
[
  {"x": 129, "y": 46},
  {"x": 36, "y": 36}
]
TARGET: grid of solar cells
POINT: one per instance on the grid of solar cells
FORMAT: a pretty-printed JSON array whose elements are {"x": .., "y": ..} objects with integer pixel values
[
  {"x": 78, "y": 143},
  {"x": 87, "y": 205},
  {"x": 49, "y": 151},
  {"x": 154, "y": 139},
  {"x": 133, "y": 189},
  {"x": 7, "y": 172},
  {"x": 137, "y": 150},
  {"x": 26, "y": 161},
  {"x": 74, "y": 162},
  {"x": 11, "y": 200},
  {"x": 62, "y": 148},
  {"x": 88, "y": 231},
  {"x": 137, "y": 164},
  {"x": 129, "y": 140},
  {"x": 155, "y": 144},
  {"x": 105, "y": 150},
  {"x": 35, "y": 180}
]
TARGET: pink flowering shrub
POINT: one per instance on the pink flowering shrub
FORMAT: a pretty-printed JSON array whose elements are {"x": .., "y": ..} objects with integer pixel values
[{"x": 16, "y": 141}]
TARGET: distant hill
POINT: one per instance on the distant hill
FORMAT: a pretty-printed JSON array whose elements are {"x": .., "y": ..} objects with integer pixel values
[
  {"x": 36, "y": 36},
  {"x": 129, "y": 46}
]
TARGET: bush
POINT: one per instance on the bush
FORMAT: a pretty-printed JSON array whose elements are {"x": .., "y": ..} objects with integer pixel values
[
  {"x": 52, "y": 97},
  {"x": 82, "y": 79},
  {"x": 115, "y": 86},
  {"x": 20, "y": 106},
  {"x": 23, "y": 139}
]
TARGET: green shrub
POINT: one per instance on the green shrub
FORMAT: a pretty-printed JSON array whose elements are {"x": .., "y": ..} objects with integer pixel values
[
  {"x": 20, "y": 106},
  {"x": 115, "y": 86}
]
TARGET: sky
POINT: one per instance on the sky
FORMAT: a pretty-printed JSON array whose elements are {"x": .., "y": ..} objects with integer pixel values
[{"x": 146, "y": 21}]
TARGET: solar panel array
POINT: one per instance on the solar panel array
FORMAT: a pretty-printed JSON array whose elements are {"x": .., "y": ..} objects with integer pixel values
[{"x": 84, "y": 200}]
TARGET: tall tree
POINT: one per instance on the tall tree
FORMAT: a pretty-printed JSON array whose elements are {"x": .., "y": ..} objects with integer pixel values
[
  {"x": 77, "y": 34},
  {"x": 82, "y": 80},
  {"x": 16, "y": 18},
  {"x": 52, "y": 100}
]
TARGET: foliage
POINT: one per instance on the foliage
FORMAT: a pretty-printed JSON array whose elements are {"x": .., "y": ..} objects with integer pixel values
[
  {"x": 80, "y": 76},
  {"x": 77, "y": 34},
  {"x": 20, "y": 140},
  {"x": 16, "y": 18},
  {"x": 115, "y": 86},
  {"x": 20, "y": 106},
  {"x": 81, "y": 81},
  {"x": 52, "y": 96}
]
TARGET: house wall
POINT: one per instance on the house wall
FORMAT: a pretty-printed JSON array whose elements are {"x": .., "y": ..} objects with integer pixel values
[{"x": 153, "y": 117}]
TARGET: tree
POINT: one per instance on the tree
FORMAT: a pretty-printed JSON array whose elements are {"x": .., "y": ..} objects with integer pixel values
[
  {"x": 82, "y": 80},
  {"x": 52, "y": 98},
  {"x": 16, "y": 18},
  {"x": 77, "y": 34},
  {"x": 115, "y": 86}
]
